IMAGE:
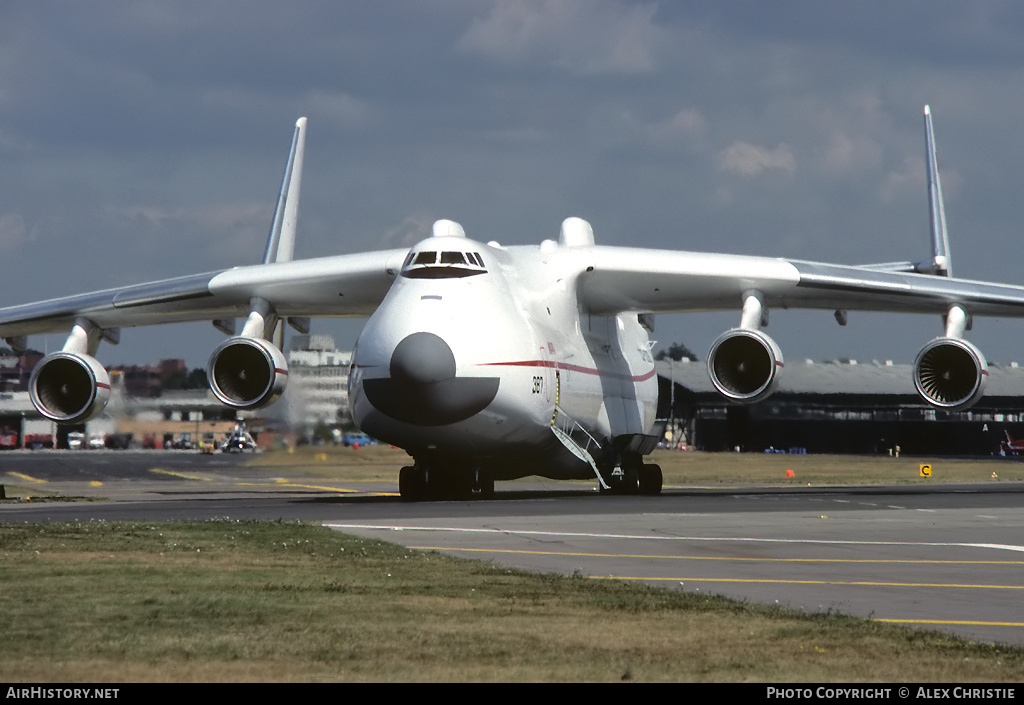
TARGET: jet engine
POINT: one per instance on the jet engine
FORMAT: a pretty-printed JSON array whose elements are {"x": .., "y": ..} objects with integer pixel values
[
  {"x": 247, "y": 373},
  {"x": 743, "y": 365},
  {"x": 69, "y": 387},
  {"x": 950, "y": 373}
]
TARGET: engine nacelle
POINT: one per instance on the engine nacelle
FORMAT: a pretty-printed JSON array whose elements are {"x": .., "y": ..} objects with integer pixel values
[
  {"x": 744, "y": 364},
  {"x": 247, "y": 373},
  {"x": 950, "y": 373},
  {"x": 69, "y": 387}
]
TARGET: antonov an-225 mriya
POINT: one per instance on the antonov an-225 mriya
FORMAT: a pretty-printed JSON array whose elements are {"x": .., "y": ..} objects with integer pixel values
[{"x": 488, "y": 362}]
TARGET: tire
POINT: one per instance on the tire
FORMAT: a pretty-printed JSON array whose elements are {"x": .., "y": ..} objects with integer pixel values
[
  {"x": 411, "y": 483},
  {"x": 650, "y": 479}
]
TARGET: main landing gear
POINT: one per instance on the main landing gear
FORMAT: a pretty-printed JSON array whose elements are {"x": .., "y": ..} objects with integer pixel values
[
  {"x": 422, "y": 481},
  {"x": 639, "y": 478},
  {"x": 456, "y": 481}
]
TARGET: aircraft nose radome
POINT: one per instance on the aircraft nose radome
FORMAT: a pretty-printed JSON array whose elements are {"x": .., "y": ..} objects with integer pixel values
[
  {"x": 422, "y": 388},
  {"x": 422, "y": 358}
]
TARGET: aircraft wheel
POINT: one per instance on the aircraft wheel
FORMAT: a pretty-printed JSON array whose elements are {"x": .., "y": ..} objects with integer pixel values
[
  {"x": 412, "y": 483},
  {"x": 443, "y": 481},
  {"x": 483, "y": 484},
  {"x": 447, "y": 482},
  {"x": 460, "y": 483},
  {"x": 627, "y": 483},
  {"x": 650, "y": 479}
]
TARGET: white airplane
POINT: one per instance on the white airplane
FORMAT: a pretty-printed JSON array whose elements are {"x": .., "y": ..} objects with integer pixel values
[{"x": 488, "y": 362}]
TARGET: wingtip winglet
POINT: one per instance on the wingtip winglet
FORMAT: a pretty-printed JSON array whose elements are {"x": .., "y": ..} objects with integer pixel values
[
  {"x": 281, "y": 242},
  {"x": 942, "y": 260}
]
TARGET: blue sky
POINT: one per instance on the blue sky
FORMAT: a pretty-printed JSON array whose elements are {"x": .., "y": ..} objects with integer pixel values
[{"x": 141, "y": 140}]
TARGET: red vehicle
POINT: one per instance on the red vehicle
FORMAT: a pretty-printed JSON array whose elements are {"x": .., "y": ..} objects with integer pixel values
[
  {"x": 38, "y": 440},
  {"x": 8, "y": 439}
]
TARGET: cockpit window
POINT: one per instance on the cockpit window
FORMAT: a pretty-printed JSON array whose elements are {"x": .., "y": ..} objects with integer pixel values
[
  {"x": 443, "y": 265},
  {"x": 452, "y": 258}
]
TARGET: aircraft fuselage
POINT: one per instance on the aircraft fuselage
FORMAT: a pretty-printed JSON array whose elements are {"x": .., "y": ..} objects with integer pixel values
[{"x": 478, "y": 350}]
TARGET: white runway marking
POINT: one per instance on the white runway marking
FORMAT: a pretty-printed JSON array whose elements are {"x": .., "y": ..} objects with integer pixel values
[{"x": 572, "y": 534}]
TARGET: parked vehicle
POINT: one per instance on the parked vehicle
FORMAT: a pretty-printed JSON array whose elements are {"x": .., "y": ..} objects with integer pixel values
[
  {"x": 8, "y": 438},
  {"x": 239, "y": 441},
  {"x": 356, "y": 440},
  {"x": 121, "y": 441}
]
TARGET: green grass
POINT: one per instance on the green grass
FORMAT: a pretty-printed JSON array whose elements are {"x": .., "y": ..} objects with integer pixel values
[
  {"x": 712, "y": 469},
  {"x": 248, "y": 601},
  {"x": 381, "y": 464}
]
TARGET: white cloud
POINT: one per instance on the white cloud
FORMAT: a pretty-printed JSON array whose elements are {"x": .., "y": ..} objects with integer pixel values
[
  {"x": 233, "y": 233},
  {"x": 686, "y": 128},
  {"x": 909, "y": 181},
  {"x": 625, "y": 129},
  {"x": 688, "y": 121},
  {"x": 576, "y": 36},
  {"x": 848, "y": 152},
  {"x": 908, "y": 177},
  {"x": 750, "y": 160}
]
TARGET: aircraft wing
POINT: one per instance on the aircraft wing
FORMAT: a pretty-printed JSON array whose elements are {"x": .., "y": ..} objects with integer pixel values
[
  {"x": 343, "y": 285},
  {"x": 633, "y": 279}
]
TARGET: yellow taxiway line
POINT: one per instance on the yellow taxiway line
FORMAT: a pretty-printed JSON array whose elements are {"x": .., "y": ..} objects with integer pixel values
[
  {"x": 160, "y": 471},
  {"x": 28, "y": 478},
  {"x": 714, "y": 558}
]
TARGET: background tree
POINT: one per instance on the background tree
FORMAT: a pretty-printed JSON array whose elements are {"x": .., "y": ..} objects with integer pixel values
[{"x": 676, "y": 351}]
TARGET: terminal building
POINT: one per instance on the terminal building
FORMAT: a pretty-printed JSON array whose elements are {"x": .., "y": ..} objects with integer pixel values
[
  {"x": 840, "y": 407},
  {"x": 317, "y": 392}
]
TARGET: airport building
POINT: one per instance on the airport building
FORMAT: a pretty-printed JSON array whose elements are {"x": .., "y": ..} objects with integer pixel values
[
  {"x": 16, "y": 368},
  {"x": 151, "y": 415},
  {"x": 840, "y": 407},
  {"x": 317, "y": 391}
]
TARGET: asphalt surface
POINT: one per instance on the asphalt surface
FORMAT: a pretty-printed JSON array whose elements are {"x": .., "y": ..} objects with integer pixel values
[{"x": 949, "y": 557}]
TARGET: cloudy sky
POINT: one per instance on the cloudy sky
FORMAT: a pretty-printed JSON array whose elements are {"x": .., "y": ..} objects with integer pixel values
[{"x": 141, "y": 140}]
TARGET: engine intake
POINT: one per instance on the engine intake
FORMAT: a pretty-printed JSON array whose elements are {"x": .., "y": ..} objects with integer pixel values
[
  {"x": 69, "y": 387},
  {"x": 744, "y": 364},
  {"x": 247, "y": 373},
  {"x": 950, "y": 373}
]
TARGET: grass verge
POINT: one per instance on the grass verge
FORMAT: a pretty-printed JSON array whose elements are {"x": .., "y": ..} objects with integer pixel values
[
  {"x": 248, "y": 601},
  {"x": 380, "y": 463}
]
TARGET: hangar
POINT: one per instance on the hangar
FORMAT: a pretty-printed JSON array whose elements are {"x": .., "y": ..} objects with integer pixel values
[{"x": 840, "y": 407}]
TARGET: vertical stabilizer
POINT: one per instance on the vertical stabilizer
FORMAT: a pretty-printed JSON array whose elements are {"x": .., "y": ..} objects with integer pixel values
[
  {"x": 281, "y": 243},
  {"x": 942, "y": 260}
]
